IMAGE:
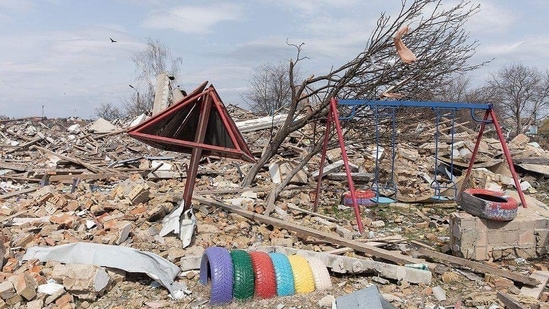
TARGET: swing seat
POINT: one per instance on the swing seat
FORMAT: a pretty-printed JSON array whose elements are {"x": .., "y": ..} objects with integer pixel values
[
  {"x": 363, "y": 198},
  {"x": 489, "y": 204},
  {"x": 439, "y": 198},
  {"x": 382, "y": 200}
]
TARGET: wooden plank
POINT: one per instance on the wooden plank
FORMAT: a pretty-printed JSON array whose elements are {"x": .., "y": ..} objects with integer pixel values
[
  {"x": 536, "y": 160},
  {"x": 363, "y": 177},
  {"x": 509, "y": 302},
  {"x": 392, "y": 256},
  {"x": 535, "y": 292},
  {"x": 312, "y": 213},
  {"x": 479, "y": 267},
  {"x": 69, "y": 178},
  {"x": 14, "y": 166},
  {"x": 536, "y": 168},
  {"x": 478, "y": 163},
  {"x": 23, "y": 191},
  {"x": 21, "y": 147},
  {"x": 328, "y": 169},
  {"x": 91, "y": 167}
]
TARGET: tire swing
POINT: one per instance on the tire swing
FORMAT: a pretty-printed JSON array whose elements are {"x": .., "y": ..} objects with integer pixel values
[
  {"x": 488, "y": 204},
  {"x": 217, "y": 265}
]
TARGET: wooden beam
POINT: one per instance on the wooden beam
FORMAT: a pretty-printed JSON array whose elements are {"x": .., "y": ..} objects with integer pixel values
[
  {"x": 22, "y": 191},
  {"x": 478, "y": 267},
  {"x": 509, "y": 302},
  {"x": 535, "y": 292},
  {"x": 90, "y": 167},
  {"x": 306, "y": 231},
  {"x": 69, "y": 178}
]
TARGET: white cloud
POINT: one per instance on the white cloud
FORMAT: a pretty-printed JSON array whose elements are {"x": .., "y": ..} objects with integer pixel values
[
  {"x": 11, "y": 68},
  {"x": 312, "y": 8},
  {"x": 501, "y": 48},
  {"x": 528, "y": 50},
  {"x": 16, "y": 4},
  {"x": 492, "y": 18},
  {"x": 194, "y": 19}
]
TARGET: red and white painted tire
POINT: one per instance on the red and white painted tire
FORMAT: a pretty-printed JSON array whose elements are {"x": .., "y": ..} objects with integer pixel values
[{"x": 488, "y": 204}]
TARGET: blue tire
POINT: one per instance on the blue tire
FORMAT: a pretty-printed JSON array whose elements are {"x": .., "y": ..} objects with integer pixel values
[
  {"x": 216, "y": 264},
  {"x": 284, "y": 276}
]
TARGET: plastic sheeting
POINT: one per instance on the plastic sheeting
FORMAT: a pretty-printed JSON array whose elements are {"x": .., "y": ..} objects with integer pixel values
[{"x": 128, "y": 259}]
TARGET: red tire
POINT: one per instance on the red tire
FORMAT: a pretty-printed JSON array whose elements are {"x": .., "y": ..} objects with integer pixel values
[
  {"x": 264, "y": 273},
  {"x": 488, "y": 204}
]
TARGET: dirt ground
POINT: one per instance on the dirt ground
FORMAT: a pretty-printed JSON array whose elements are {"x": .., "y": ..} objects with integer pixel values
[{"x": 463, "y": 288}]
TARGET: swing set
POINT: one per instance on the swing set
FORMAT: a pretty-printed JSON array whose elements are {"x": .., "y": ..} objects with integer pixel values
[{"x": 387, "y": 109}]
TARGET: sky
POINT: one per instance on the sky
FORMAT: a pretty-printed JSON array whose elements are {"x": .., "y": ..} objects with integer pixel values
[{"x": 57, "y": 59}]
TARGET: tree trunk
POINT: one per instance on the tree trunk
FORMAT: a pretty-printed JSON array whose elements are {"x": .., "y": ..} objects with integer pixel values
[
  {"x": 275, "y": 192},
  {"x": 270, "y": 151}
]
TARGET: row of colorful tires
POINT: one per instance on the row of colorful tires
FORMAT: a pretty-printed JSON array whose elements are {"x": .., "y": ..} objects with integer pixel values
[{"x": 241, "y": 275}]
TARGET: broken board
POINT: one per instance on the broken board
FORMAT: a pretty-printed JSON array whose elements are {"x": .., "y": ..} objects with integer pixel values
[{"x": 535, "y": 291}]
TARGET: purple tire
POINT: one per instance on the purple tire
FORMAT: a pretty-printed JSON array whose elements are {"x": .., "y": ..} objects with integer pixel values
[{"x": 216, "y": 264}]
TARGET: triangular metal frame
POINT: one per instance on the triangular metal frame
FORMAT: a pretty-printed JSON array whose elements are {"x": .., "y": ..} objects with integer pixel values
[
  {"x": 175, "y": 128},
  {"x": 200, "y": 125}
]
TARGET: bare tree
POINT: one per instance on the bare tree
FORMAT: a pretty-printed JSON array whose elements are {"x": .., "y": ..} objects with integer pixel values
[
  {"x": 522, "y": 94},
  {"x": 454, "y": 90},
  {"x": 108, "y": 111},
  {"x": 156, "y": 58},
  {"x": 459, "y": 89},
  {"x": 270, "y": 89},
  {"x": 140, "y": 102},
  {"x": 442, "y": 47}
]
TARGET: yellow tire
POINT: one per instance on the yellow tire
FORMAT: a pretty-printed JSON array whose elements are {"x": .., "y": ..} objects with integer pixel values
[{"x": 303, "y": 276}]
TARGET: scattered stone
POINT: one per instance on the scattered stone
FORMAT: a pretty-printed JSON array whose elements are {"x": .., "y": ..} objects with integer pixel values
[
  {"x": 439, "y": 293},
  {"x": 449, "y": 277},
  {"x": 326, "y": 301}
]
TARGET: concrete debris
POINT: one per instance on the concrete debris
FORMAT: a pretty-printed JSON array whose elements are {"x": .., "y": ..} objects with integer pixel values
[
  {"x": 368, "y": 298},
  {"x": 82, "y": 280},
  {"x": 71, "y": 187},
  {"x": 439, "y": 293},
  {"x": 102, "y": 126}
]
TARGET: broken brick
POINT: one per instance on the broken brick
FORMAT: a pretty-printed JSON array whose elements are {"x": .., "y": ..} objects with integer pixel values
[{"x": 25, "y": 285}]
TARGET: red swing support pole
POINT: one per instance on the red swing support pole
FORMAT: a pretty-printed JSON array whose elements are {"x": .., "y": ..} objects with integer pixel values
[
  {"x": 333, "y": 116},
  {"x": 490, "y": 113}
]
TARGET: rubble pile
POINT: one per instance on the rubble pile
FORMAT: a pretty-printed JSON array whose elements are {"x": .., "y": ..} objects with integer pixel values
[{"x": 73, "y": 182}]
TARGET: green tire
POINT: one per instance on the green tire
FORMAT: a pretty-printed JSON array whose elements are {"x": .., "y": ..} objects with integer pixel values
[{"x": 243, "y": 275}]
